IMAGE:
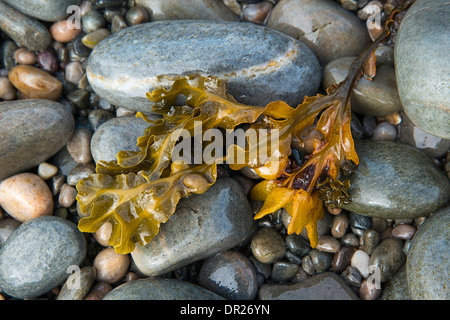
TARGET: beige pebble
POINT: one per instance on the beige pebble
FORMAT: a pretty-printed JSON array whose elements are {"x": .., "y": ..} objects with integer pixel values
[
  {"x": 92, "y": 39},
  {"x": 73, "y": 72},
  {"x": 35, "y": 83},
  {"x": 103, "y": 234},
  {"x": 24, "y": 56},
  {"x": 79, "y": 146},
  {"x": 339, "y": 225},
  {"x": 334, "y": 211},
  {"x": 26, "y": 196},
  {"x": 403, "y": 232},
  {"x": 63, "y": 32},
  {"x": 360, "y": 261},
  {"x": 67, "y": 196},
  {"x": 328, "y": 244},
  {"x": 47, "y": 170},
  {"x": 7, "y": 90},
  {"x": 111, "y": 266}
]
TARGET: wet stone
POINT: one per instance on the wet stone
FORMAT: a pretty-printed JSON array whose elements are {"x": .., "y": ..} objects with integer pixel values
[
  {"x": 388, "y": 256},
  {"x": 283, "y": 271},
  {"x": 110, "y": 62},
  {"x": 268, "y": 245}
]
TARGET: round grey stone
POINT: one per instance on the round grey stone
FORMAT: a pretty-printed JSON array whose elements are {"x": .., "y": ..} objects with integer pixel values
[
  {"x": 31, "y": 132},
  {"x": 327, "y": 28},
  {"x": 36, "y": 257},
  {"x": 395, "y": 181},
  {"x": 117, "y": 134},
  {"x": 260, "y": 65},
  {"x": 160, "y": 289},
  {"x": 202, "y": 225},
  {"x": 229, "y": 274},
  {"x": 427, "y": 266},
  {"x": 43, "y": 9},
  {"x": 25, "y": 31},
  {"x": 187, "y": 10},
  {"x": 422, "y": 66}
]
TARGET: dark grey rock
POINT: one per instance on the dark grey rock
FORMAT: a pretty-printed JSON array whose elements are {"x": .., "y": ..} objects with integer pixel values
[
  {"x": 229, "y": 274},
  {"x": 160, "y": 289},
  {"x": 422, "y": 66},
  {"x": 78, "y": 284},
  {"x": 260, "y": 65},
  {"x": 187, "y": 10},
  {"x": 202, "y": 225},
  {"x": 375, "y": 97},
  {"x": 36, "y": 257},
  {"x": 427, "y": 266},
  {"x": 395, "y": 181},
  {"x": 284, "y": 271},
  {"x": 98, "y": 117},
  {"x": 397, "y": 287},
  {"x": 31, "y": 131},
  {"x": 324, "y": 286},
  {"x": 117, "y": 134},
  {"x": 388, "y": 256},
  {"x": 429, "y": 144},
  {"x": 7, "y": 54},
  {"x": 268, "y": 245},
  {"x": 321, "y": 260},
  {"x": 25, "y": 31},
  {"x": 43, "y": 9},
  {"x": 328, "y": 29},
  {"x": 7, "y": 227},
  {"x": 359, "y": 221}
]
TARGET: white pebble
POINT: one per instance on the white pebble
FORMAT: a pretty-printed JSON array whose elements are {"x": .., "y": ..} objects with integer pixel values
[
  {"x": 360, "y": 261},
  {"x": 47, "y": 170}
]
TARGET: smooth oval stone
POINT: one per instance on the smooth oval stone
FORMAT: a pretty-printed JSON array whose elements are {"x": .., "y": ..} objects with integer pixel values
[
  {"x": 229, "y": 274},
  {"x": 394, "y": 181},
  {"x": 427, "y": 265},
  {"x": 388, "y": 257},
  {"x": 187, "y": 10},
  {"x": 36, "y": 257},
  {"x": 31, "y": 131},
  {"x": 327, "y": 28},
  {"x": 429, "y": 144},
  {"x": 25, "y": 31},
  {"x": 422, "y": 66},
  {"x": 261, "y": 65},
  {"x": 117, "y": 134},
  {"x": 378, "y": 97},
  {"x": 43, "y": 9},
  {"x": 78, "y": 284},
  {"x": 160, "y": 289},
  {"x": 324, "y": 286},
  {"x": 202, "y": 225}
]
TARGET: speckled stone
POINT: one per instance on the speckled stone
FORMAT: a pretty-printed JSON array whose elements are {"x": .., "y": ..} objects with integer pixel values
[
  {"x": 388, "y": 256},
  {"x": 397, "y": 287},
  {"x": 35, "y": 258},
  {"x": 427, "y": 266},
  {"x": 187, "y": 10},
  {"x": 328, "y": 29},
  {"x": 394, "y": 181},
  {"x": 117, "y": 134},
  {"x": 260, "y": 65},
  {"x": 324, "y": 286},
  {"x": 375, "y": 97},
  {"x": 229, "y": 274},
  {"x": 202, "y": 225},
  {"x": 160, "y": 289},
  {"x": 422, "y": 66},
  {"x": 25, "y": 31},
  {"x": 78, "y": 284},
  {"x": 31, "y": 131},
  {"x": 43, "y": 9}
]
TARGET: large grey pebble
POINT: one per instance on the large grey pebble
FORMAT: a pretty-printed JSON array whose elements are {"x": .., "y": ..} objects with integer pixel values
[
  {"x": 375, "y": 97},
  {"x": 260, "y": 65},
  {"x": 43, "y": 9},
  {"x": 327, "y": 28},
  {"x": 117, "y": 134},
  {"x": 324, "y": 286},
  {"x": 25, "y": 31},
  {"x": 160, "y": 289},
  {"x": 394, "y": 181},
  {"x": 427, "y": 265},
  {"x": 202, "y": 225},
  {"x": 31, "y": 131},
  {"x": 397, "y": 287},
  {"x": 187, "y": 10},
  {"x": 36, "y": 257},
  {"x": 423, "y": 67}
]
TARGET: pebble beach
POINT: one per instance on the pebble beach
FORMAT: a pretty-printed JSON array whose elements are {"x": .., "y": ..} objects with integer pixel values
[{"x": 69, "y": 98}]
